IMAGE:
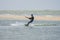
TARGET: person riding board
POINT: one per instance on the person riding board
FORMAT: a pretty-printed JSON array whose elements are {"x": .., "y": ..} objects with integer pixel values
[{"x": 31, "y": 20}]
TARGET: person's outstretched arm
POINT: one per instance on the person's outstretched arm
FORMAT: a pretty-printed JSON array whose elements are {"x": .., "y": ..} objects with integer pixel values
[{"x": 28, "y": 17}]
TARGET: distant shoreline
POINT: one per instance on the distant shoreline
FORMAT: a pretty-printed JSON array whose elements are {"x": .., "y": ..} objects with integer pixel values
[{"x": 21, "y": 17}]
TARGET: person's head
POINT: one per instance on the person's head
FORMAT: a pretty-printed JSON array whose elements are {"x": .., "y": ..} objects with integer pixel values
[{"x": 31, "y": 14}]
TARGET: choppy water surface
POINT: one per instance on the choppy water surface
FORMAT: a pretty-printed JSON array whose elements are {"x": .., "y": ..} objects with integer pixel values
[{"x": 18, "y": 31}]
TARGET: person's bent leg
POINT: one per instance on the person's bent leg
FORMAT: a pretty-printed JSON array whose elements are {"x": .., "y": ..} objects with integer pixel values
[{"x": 28, "y": 23}]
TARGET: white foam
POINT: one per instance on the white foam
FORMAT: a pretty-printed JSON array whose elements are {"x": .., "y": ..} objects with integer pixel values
[{"x": 17, "y": 24}]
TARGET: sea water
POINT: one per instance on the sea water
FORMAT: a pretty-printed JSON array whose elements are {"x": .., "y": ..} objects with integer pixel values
[
  {"x": 16, "y": 30},
  {"x": 38, "y": 30}
]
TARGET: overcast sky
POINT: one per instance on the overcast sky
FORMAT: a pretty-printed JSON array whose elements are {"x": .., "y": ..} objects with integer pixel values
[{"x": 29, "y": 4}]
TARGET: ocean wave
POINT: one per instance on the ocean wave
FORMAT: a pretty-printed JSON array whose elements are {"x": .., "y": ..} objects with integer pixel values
[
  {"x": 17, "y": 24},
  {"x": 23, "y": 24},
  {"x": 46, "y": 25}
]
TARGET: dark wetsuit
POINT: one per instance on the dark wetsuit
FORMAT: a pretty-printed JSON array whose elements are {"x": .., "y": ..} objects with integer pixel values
[{"x": 31, "y": 20}]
